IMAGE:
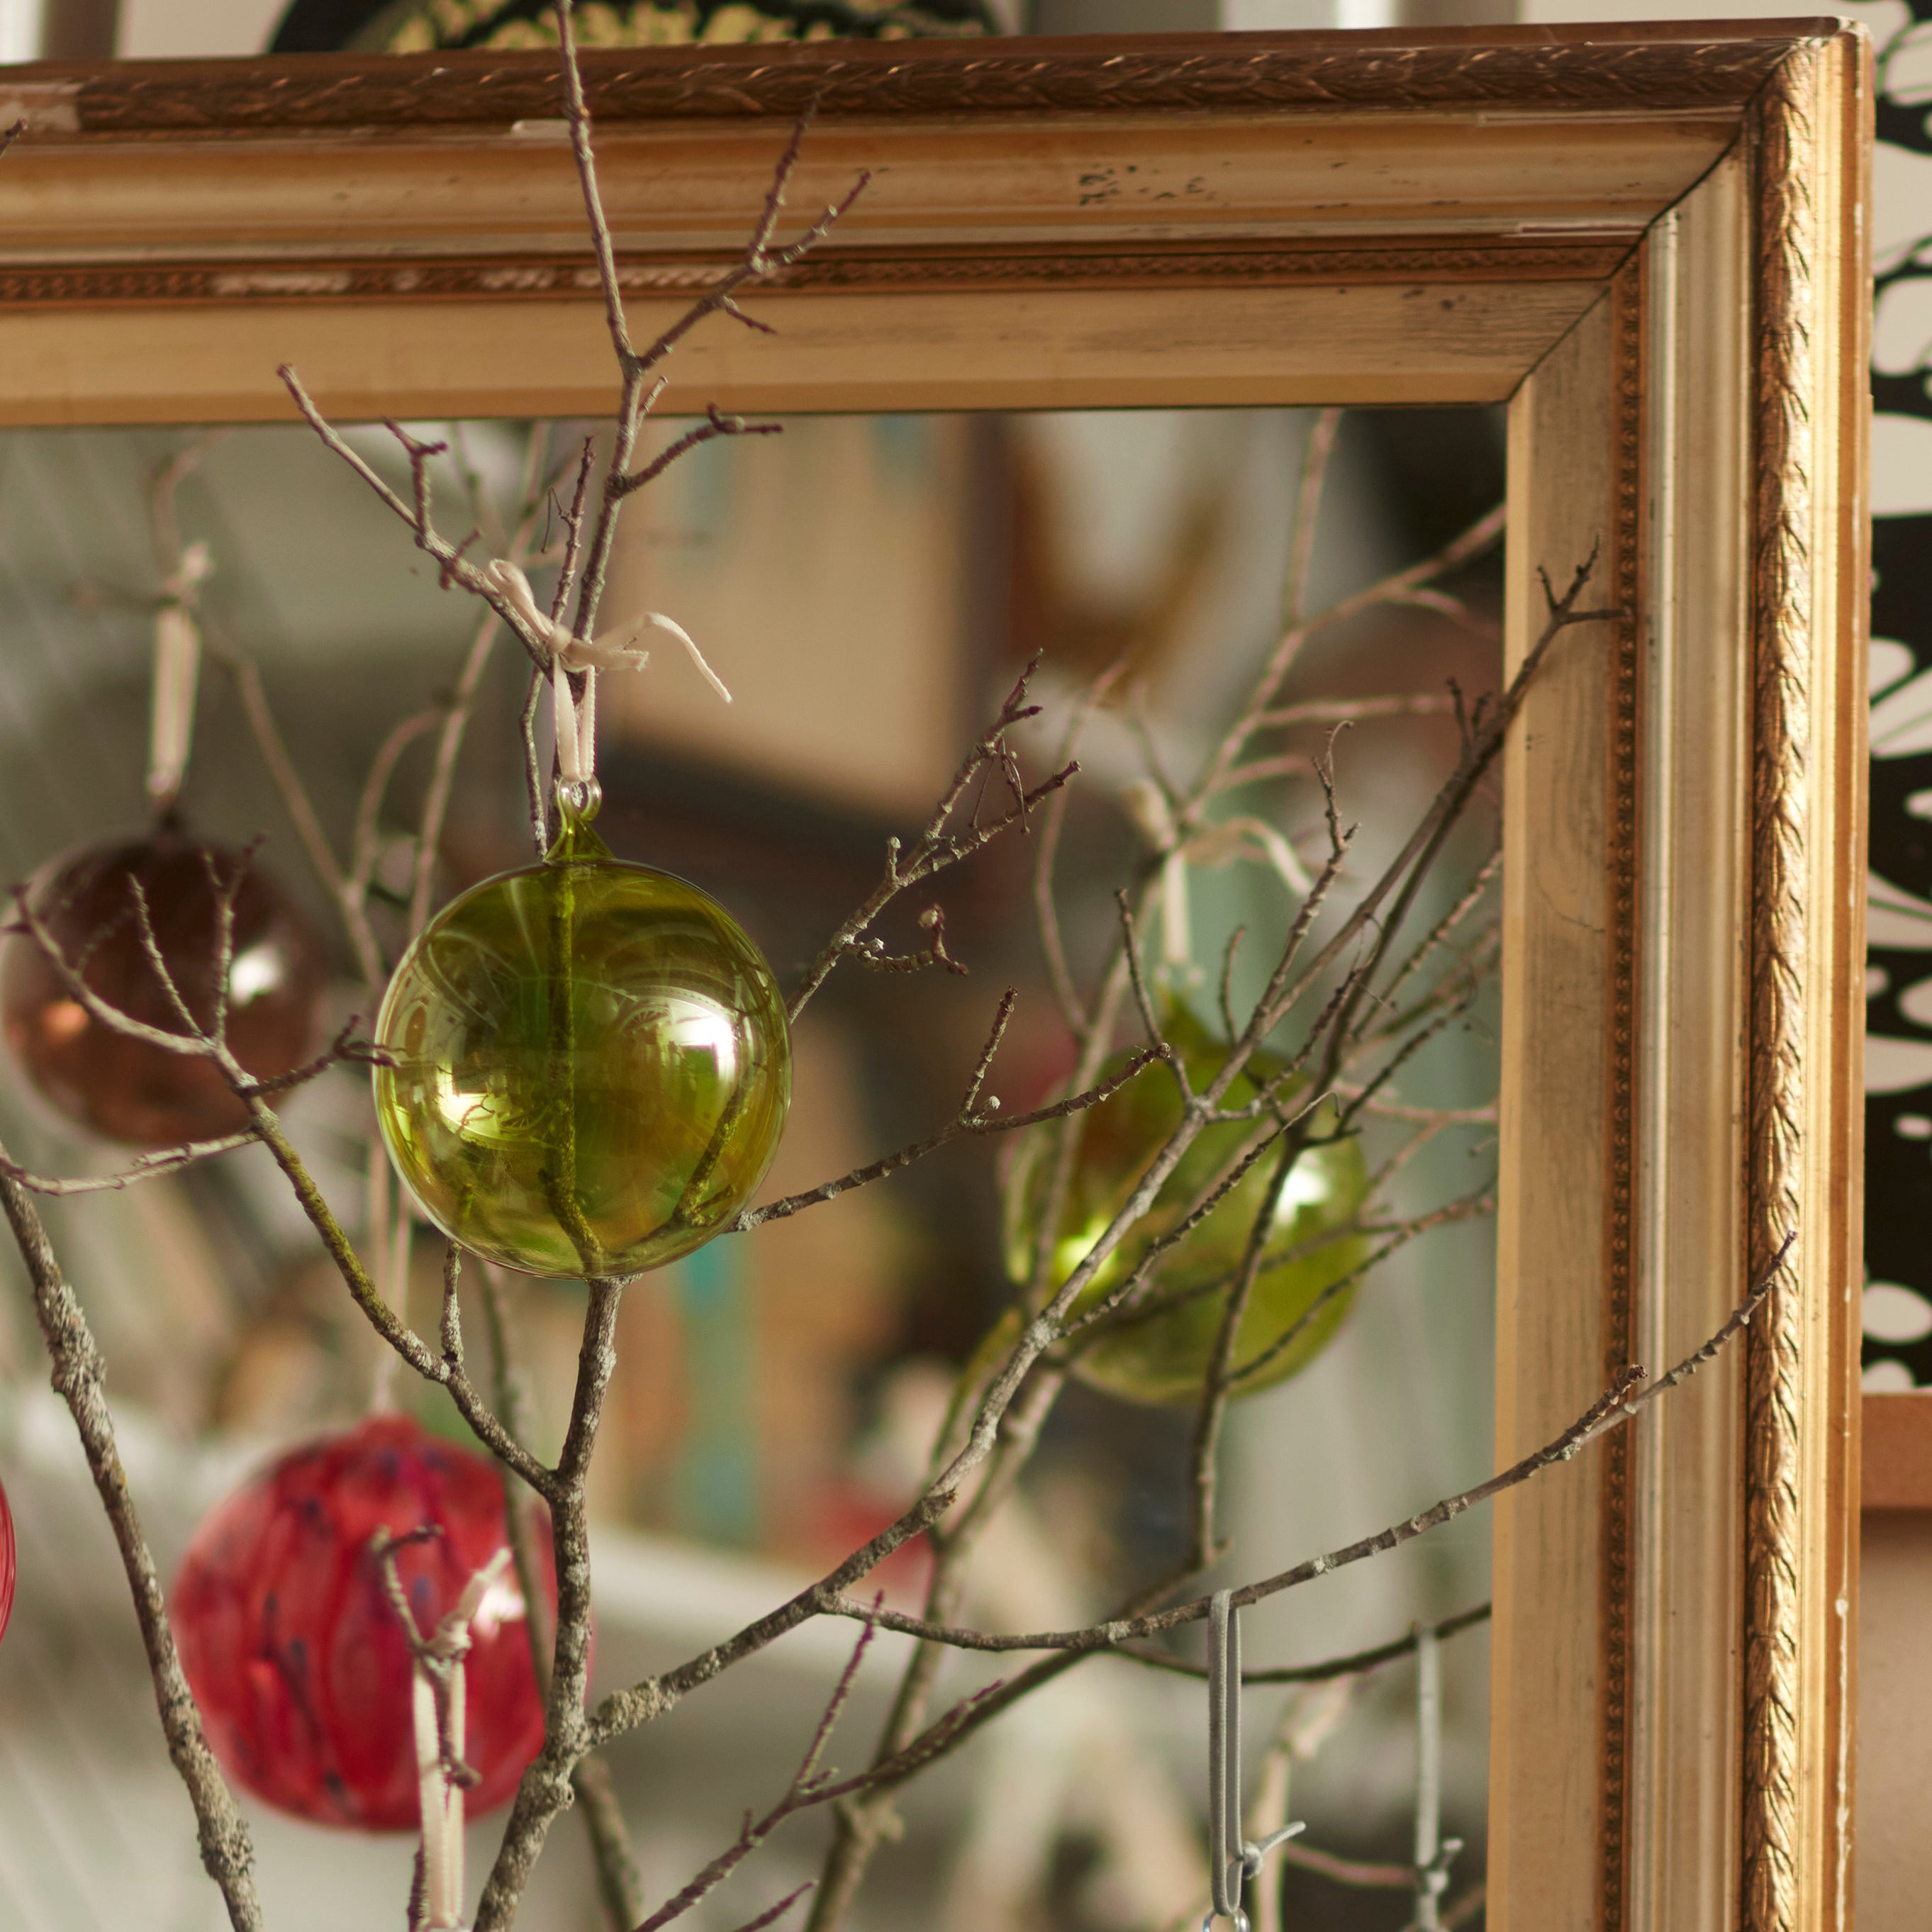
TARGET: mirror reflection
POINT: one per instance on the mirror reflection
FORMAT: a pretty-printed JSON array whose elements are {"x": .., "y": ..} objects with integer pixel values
[{"x": 1160, "y": 708}]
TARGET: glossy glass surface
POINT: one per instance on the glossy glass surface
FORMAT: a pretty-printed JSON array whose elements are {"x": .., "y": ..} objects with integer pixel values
[
  {"x": 6, "y": 1561},
  {"x": 1162, "y": 1354},
  {"x": 126, "y": 1089},
  {"x": 295, "y": 1655},
  {"x": 593, "y": 1068}
]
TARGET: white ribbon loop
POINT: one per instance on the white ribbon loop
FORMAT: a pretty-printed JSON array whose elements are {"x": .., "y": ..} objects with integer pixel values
[
  {"x": 614, "y": 650},
  {"x": 177, "y": 673},
  {"x": 1218, "y": 844},
  {"x": 441, "y": 1739}
]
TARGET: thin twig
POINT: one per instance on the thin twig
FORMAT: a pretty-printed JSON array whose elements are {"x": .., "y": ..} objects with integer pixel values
[
  {"x": 1620, "y": 1402},
  {"x": 618, "y": 1884},
  {"x": 1354, "y": 710},
  {"x": 970, "y": 1120},
  {"x": 533, "y": 776},
  {"x": 937, "y": 847},
  {"x": 149, "y": 1167},
  {"x": 227, "y": 1853},
  {"x": 426, "y": 1363},
  {"x": 1346, "y": 1871},
  {"x": 1470, "y": 543},
  {"x": 1047, "y": 848},
  {"x": 1358, "y": 1664},
  {"x": 453, "y": 567},
  {"x": 1321, "y": 437},
  {"x": 546, "y": 1787},
  {"x": 809, "y": 1787},
  {"x": 365, "y": 841},
  {"x": 295, "y": 798}
]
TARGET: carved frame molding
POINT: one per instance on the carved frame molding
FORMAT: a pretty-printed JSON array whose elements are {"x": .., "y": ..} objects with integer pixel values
[
  {"x": 1614, "y": 68},
  {"x": 1279, "y": 291}
]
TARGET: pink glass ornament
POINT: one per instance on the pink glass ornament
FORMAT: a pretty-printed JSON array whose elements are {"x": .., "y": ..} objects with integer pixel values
[
  {"x": 128, "y": 1090},
  {"x": 295, "y": 1652},
  {"x": 6, "y": 1561}
]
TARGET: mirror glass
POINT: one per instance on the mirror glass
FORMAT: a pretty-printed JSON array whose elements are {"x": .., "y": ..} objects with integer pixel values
[{"x": 1216, "y": 640}]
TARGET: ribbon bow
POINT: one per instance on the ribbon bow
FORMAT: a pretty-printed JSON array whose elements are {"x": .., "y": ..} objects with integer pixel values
[
  {"x": 614, "y": 650},
  {"x": 177, "y": 670}
]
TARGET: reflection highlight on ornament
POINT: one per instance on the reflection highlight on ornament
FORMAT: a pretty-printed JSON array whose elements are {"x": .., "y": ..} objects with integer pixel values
[{"x": 254, "y": 973}]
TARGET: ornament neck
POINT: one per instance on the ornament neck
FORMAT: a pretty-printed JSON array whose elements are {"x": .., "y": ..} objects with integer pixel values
[{"x": 577, "y": 803}]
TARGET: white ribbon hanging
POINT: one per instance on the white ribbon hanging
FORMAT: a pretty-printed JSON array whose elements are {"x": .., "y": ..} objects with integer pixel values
[
  {"x": 177, "y": 671},
  {"x": 438, "y": 1747},
  {"x": 614, "y": 650},
  {"x": 1213, "y": 846}
]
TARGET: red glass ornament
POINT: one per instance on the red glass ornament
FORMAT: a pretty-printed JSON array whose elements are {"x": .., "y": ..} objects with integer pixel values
[
  {"x": 126, "y": 1089},
  {"x": 6, "y": 1561},
  {"x": 295, "y": 1654}
]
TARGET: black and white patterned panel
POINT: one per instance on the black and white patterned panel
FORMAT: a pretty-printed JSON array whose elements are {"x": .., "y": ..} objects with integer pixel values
[{"x": 1898, "y": 973}]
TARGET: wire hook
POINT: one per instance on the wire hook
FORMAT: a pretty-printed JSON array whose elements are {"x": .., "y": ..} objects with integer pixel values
[{"x": 1232, "y": 1860}]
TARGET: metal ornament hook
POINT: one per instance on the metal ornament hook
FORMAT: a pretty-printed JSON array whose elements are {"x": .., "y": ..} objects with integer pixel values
[{"x": 1231, "y": 1859}]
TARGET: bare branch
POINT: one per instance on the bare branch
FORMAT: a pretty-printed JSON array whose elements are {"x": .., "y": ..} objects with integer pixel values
[
  {"x": 533, "y": 775},
  {"x": 1327, "y": 427},
  {"x": 715, "y": 423},
  {"x": 971, "y": 1119},
  {"x": 871, "y": 953},
  {"x": 1617, "y": 1403},
  {"x": 1439, "y": 933},
  {"x": 758, "y": 260},
  {"x": 1347, "y": 1871},
  {"x": 772, "y": 1914},
  {"x": 227, "y": 1853},
  {"x": 936, "y": 847},
  {"x": 1355, "y": 710},
  {"x": 808, "y": 1787},
  {"x": 149, "y": 1167},
  {"x": 365, "y": 844},
  {"x": 546, "y": 1787},
  {"x": 653, "y": 1696},
  {"x": 1227, "y": 1002},
  {"x": 573, "y": 530},
  {"x": 453, "y": 568},
  {"x": 1149, "y": 1021},
  {"x": 1470, "y": 543},
  {"x": 618, "y": 1882},
  {"x": 1358, "y": 1664},
  {"x": 455, "y": 720},
  {"x": 1469, "y": 1207},
  {"x": 295, "y": 801},
  {"x": 386, "y": 1322},
  {"x": 1402, "y": 876},
  {"x": 1048, "y": 847},
  {"x": 191, "y": 1046}
]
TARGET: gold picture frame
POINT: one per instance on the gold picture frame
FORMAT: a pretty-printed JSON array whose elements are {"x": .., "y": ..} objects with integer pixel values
[{"x": 1649, "y": 242}]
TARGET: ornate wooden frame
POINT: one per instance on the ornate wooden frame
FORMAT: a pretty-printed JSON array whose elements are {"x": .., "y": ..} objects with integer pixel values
[{"x": 1650, "y": 241}]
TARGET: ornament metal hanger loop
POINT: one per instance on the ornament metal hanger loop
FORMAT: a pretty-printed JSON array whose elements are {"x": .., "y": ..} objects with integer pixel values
[{"x": 1231, "y": 1859}]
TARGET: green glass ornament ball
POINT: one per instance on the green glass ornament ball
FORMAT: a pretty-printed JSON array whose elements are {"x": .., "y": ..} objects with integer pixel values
[
  {"x": 591, "y": 1066},
  {"x": 1162, "y": 1354}
]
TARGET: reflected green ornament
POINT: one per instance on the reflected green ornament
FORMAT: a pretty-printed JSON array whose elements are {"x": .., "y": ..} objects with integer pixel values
[
  {"x": 592, "y": 1065},
  {"x": 1162, "y": 1353}
]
